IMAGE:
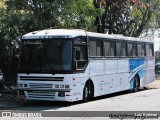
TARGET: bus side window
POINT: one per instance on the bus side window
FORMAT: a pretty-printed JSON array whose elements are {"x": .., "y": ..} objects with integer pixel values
[
  {"x": 121, "y": 49},
  {"x": 149, "y": 50},
  {"x": 141, "y": 50},
  {"x": 132, "y": 49},
  {"x": 110, "y": 49},
  {"x": 80, "y": 54},
  {"x": 96, "y": 49}
]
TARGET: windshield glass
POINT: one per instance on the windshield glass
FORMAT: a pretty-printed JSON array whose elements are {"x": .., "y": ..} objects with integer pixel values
[{"x": 46, "y": 55}]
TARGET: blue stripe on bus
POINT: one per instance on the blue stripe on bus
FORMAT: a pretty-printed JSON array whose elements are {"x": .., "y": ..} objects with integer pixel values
[
  {"x": 135, "y": 67},
  {"x": 134, "y": 63}
]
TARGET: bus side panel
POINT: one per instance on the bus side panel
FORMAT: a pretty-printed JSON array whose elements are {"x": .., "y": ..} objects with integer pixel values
[
  {"x": 97, "y": 70},
  {"x": 78, "y": 81},
  {"x": 123, "y": 74},
  {"x": 120, "y": 81},
  {"x": 109, "y": 76}
]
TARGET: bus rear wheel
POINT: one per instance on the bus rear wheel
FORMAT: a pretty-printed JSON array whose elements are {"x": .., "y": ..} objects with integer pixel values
[{"x": 136, "y": 84}]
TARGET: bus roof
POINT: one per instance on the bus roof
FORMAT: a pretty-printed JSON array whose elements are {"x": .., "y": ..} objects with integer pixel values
[
  {"x": 71, "y": 33},
  {"x": 54, "y": 33},
  {"x": 117, "y": 37}
]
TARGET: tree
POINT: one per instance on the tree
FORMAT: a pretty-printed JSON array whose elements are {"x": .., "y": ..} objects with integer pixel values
[
  {"x": 42, "y": 14},
  {"x": 78, "y": 14},
  {"x": 18, "y": 17},
  {"x": 127, "y": 17}
]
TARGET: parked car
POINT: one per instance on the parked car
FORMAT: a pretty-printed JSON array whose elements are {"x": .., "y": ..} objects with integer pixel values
[{"x": 157, "y": 68}]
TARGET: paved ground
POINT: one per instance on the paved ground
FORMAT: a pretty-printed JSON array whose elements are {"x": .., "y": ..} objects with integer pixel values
[
  {"x": 9, "y": 100},
  {"x": 144, "y": 100}
]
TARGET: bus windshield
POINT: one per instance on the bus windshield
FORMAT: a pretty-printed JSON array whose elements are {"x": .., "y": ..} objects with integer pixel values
[{"x": 46, "y": 55}]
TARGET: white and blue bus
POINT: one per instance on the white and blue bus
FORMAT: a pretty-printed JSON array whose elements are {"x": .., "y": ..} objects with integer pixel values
[{"x": 72, "y": 65}]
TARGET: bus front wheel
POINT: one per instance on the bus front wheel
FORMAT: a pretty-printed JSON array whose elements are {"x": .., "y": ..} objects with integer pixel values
[
  {"x": 88, "y": 91},
  {"x": 86, "y": 94}
]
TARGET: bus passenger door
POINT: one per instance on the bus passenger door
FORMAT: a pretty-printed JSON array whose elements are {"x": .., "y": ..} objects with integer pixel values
[{"x": 80, "y": 54}]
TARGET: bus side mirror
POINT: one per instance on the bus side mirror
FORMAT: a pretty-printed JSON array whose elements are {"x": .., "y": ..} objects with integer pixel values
[{"x": 77, "y": 54}]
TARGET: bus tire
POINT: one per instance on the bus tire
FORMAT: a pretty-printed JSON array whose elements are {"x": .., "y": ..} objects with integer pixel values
[
  {"x": 88, "y": 91},
  {"x": 136, "y": 84}
]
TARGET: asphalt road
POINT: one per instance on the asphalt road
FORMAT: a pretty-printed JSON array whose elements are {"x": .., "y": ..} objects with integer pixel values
[{"x": 144, "y": 100}]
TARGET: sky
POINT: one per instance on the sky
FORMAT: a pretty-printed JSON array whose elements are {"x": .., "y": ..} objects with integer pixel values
[{"x": 157, "y": 40}]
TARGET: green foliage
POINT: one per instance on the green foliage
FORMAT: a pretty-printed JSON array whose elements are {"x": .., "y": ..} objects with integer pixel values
[
  {"x": 18, "y": 17},
  {"x": 77, "y": 14},
  {"x": 22, "y": 16},
  {"x": 127, "y": 17}
]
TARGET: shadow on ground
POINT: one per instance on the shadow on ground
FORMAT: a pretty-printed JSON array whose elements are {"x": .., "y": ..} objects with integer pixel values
[{"x": 10, "y": 101}]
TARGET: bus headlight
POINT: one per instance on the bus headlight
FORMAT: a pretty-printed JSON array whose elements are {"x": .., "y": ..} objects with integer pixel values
[
  {"x": 25, "y": 85},
  {"x": 66, "y": 86},
  {"x": 20, "y": 85},
  {"x": 56, "y": 86},
  {"x": 61, "y": 86}
]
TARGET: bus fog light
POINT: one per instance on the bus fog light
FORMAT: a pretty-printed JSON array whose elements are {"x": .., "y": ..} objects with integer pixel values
[
  {"x": 21, "y": 93},
  {"x": 61, "y": 86},
  {"x": 66, "y": 86},
  {"x": 61, "y": 94}
]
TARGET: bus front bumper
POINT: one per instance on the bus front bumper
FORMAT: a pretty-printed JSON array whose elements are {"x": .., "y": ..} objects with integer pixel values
[{"x": 45, "y": 95}]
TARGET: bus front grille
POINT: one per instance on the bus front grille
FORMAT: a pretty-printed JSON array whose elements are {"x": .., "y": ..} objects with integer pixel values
[
  {"x": 41, "y": 94},
  {"x": 38, "y": 85},
  {"x": 35, "y": 78}
]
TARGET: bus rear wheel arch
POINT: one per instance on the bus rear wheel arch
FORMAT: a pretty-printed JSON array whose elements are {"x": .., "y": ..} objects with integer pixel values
[{"x": 88, "y": 91}]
